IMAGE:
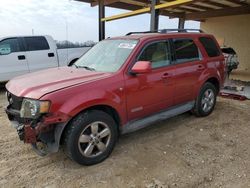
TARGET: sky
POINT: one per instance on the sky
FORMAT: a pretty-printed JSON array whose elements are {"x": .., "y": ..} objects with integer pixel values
[{"x": 52, "y": 17}]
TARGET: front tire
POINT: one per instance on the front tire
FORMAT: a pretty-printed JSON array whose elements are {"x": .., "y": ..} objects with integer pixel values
[
  {"x": 205, "y": 102},
  {"x": 90, "y": 137}
]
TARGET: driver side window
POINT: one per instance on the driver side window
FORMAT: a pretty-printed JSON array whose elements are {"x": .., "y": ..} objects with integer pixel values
[
  {"x": 8, "y": 46},
  {"x": 157, "y": 53}
]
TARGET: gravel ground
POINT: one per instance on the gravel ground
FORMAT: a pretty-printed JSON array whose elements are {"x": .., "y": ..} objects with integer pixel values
[{"x": 184, "y": 151}]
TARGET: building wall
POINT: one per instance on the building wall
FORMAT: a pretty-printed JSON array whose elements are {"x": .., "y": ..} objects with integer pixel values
[{"x": 233, "y": 31}]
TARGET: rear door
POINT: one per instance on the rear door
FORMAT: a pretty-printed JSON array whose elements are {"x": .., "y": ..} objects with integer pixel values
[
  {"x": 39, "y": 54},
  {"x": 13, "y": 60},
  {"x": 189, "y": 67}
]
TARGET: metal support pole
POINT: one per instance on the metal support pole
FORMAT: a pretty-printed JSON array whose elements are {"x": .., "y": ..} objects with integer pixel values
[
  {"x": 154, "y": 22},
  {"x": 181, "y": 24},
  {"x": 101, "y": 23}
]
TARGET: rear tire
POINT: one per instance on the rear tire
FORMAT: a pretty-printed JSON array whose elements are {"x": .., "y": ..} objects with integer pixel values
[
  {"x": 205, "y": 102},
  {"x": 90, "y": 137}
]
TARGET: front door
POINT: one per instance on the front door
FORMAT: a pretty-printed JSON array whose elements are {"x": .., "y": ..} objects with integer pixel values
[
  {"x": 151, "y": 92},
  {"x": 13, "y": 60}
]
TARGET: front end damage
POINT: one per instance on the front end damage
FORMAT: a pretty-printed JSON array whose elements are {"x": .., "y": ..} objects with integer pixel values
[{"x": 43, "y": 132}]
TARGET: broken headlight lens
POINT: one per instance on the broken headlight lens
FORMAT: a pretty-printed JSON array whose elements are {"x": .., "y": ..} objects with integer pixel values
[{"x": 34, "y": 108}]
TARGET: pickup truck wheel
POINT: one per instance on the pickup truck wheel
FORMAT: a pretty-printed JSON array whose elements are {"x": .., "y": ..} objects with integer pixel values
[
  {"x": 72, "y": 62},
  {"x": 205, "y": 102},
  {"x": 90, "y": 137}
]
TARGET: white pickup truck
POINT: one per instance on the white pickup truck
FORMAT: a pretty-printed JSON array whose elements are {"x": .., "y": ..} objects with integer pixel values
[{"x": 21, "y": 55}]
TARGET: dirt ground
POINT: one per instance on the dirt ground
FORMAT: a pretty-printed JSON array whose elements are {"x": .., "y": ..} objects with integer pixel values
[{"x": 184, "y": 151}]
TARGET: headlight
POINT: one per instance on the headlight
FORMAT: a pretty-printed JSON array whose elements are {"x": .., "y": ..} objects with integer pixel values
[{"x": 34, "y": 108}]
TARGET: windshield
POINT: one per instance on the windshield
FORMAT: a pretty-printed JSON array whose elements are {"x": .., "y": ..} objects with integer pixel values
[{"x": 106, "y": 56}]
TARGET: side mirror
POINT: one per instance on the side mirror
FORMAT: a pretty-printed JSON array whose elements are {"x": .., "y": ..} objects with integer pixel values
[{"x": 141, "y": 67}]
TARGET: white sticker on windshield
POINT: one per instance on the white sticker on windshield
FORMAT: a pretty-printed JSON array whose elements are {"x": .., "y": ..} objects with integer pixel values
[{"x": 126, "y": 45}]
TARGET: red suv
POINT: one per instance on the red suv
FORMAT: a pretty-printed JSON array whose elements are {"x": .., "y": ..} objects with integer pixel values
[{"x": 120, "y": 85}]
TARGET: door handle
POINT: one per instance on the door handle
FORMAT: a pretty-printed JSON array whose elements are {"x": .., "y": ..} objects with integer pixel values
[
  {"x": 201, "y": 67},
  {"x": 51, "y": 55},
  {"x": 166, "y": 75},
  {"x": 21, "y": 57}
]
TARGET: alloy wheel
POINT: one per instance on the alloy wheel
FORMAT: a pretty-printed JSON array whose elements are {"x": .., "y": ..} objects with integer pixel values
[
  {"x": 208, "y": 100},
  {"x": 94, "y": 139}
]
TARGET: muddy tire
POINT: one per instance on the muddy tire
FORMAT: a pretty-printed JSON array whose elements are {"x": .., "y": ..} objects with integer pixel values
[
  {"x": 205, "y": 102},
  {"x": 90, "y": 137}
]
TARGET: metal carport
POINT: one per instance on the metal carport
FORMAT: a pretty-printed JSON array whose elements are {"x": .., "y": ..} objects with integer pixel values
[
  {"x": 198, "y": 10},
  {"x": 234, "y": 16}
]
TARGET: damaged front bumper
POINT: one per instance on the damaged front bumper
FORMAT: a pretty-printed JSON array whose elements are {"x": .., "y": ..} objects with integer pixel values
[{"x": 44, "y": 133}]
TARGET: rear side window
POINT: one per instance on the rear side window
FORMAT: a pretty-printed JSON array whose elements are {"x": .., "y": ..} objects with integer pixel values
[
  {"x": 36, "y": 43},
  {"x": 210, "y": 46},
  {"x": 185, "y": 50}
]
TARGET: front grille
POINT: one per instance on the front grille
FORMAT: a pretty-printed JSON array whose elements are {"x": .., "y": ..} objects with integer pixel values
[{"x": 14, "y": 101}]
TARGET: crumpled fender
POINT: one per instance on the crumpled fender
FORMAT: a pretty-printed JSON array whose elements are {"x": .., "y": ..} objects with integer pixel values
[{"x": 78, "y": 103}]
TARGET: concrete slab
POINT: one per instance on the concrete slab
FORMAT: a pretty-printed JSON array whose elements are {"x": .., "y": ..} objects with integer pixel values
[{"x": 235, "y": 89}]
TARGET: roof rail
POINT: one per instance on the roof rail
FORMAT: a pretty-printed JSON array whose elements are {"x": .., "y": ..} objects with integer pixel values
[
  {"x": 180, "y": 30},
  {"x": 167, "y": 31},
  {"x": 140, "y": 32}
]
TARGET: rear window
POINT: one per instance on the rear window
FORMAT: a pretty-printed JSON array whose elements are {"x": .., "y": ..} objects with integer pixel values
[
  {"x": 185, "y": 50},
  {"x": 36, "y": 43},
  {"x": 210, "y": 46}
]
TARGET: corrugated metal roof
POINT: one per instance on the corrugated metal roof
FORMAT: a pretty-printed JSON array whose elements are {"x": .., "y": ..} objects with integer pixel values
[{"x": 195, "y": 10}]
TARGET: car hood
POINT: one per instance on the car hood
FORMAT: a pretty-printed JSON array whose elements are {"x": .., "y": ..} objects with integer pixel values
[{"x": 37, "y": 84}]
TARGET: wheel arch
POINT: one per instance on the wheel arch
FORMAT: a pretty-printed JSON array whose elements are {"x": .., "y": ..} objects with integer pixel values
[
  {"x": 215, "y": 82},
  {"x": 72, "y": 61},
  {"x": 108, "y": 109},
  {"x": 102, "y": 107}
]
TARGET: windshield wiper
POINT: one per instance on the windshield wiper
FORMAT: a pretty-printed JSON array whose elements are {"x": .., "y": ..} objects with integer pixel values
[{"x": 85, "y": 67}]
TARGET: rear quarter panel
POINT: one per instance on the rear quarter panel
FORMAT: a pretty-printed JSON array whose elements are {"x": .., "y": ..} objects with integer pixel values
[{"x": 215, "y": 66}]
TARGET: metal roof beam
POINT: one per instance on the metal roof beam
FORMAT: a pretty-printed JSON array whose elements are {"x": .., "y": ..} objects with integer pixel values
[
  {"x": 218, "y": 13},
  {"x": 105, "y": 2},
  {"x": 217, "y": 4},
  {"x": 171, "y": 4},
  {"x": 238, "y": 2},
  {"x": 132, "y": 2}
]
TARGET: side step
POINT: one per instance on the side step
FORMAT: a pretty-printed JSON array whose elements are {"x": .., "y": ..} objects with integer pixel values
[{"x": 142, "y": 123}]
